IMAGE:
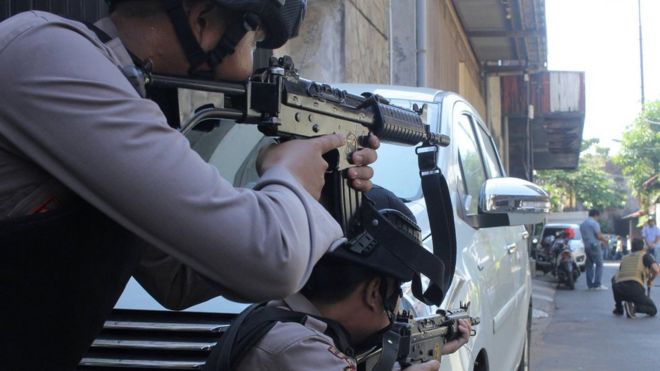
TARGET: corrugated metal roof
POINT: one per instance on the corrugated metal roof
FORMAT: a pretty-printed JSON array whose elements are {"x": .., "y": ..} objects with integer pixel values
[{"x": 506, "y": 34}]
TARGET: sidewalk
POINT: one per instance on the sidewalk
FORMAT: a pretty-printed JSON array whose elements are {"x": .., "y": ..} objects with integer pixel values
[{"x": 543, "y": 305}]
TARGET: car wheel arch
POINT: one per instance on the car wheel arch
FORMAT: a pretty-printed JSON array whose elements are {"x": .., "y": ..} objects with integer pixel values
[{"x": 481, "y": 361}]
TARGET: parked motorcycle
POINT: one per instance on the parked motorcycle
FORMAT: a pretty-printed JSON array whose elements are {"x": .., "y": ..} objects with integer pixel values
[{"x": 554, "y": 255}]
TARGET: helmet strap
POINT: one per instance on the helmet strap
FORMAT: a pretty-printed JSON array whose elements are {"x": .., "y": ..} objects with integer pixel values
[
  {"x": 194, "y": 52},
  {"x": 195, "y": 55},
  {"x": 389, "y": 301},
  {"x": 231, "y": 38}
]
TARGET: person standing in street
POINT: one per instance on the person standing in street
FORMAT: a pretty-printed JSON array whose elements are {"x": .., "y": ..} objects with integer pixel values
[
  {"x": 651, "y": 235},
  {"x": 618, "y": 249},
  {"x": 592, "y": 238},
  {"x": 636, "y": 269}
]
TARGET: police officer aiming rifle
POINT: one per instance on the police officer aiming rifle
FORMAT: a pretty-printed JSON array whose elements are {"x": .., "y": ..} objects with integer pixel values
[
  {"x": 95, "y": 186},
  {"x": 347, "y": 305}
]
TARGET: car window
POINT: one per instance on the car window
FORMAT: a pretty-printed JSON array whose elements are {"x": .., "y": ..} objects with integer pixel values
[
  {"x": 232, "y": 148},
  {"x": 556, "y": 230},
  {"x": 396, "y": 168},
  {"x": 469, "y": 160},
  {"x": 491, "y": 158}
]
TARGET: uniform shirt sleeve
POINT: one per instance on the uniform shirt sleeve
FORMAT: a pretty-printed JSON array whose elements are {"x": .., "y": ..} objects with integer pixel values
[
  {"x": 648, "y": 260},
  {"x": 69, "y": 109},
  {"x": 309, "y": 354}
]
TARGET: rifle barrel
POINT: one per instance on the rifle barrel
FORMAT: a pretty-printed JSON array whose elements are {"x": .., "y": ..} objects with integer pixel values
[{"x": 226, "y": 87}]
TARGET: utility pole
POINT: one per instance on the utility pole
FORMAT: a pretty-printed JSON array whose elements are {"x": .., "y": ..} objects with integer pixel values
[{"x": 641, "y": 49}]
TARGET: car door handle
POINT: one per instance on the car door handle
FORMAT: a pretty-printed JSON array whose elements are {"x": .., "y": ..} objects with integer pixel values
[
  {"x": 511, "y": 248},
  {"x": 524, "y": 235}
]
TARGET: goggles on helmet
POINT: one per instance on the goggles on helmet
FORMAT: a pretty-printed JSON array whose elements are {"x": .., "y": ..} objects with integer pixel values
[{"x": 281, "y": 19}]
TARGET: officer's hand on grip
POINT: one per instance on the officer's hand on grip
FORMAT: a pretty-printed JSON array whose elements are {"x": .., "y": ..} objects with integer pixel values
[
  {"x": 303, "y": 158},
  {"x": 361, "y": 174},
  {"x": 465, "y": 328},
  {"x": 432, "y": 365}
]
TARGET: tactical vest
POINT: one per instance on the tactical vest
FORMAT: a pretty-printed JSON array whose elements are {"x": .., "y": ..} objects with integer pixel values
[
  {"x": 61, "y": 273},
  {"x": 632, "y": 269}
]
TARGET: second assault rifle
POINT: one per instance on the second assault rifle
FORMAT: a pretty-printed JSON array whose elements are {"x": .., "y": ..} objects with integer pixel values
[
  {"x": 286, "y": 106},
  {"x": 415, "y": 340}
]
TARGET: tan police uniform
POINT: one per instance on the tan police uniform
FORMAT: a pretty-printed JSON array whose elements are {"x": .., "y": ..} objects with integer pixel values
[
  {"x": 92, "y": 176},
  {"x": 70, "y": 122},
  {"x": 294, "y": 346}
]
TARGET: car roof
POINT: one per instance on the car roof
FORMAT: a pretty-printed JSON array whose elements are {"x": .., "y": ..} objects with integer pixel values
[
  {"x": 394, "y": 91},
  {"x": 561, "y": 225}
]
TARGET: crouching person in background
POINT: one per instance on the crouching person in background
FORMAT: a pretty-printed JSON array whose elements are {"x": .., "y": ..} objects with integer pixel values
[{"x": 636, "y": 269}]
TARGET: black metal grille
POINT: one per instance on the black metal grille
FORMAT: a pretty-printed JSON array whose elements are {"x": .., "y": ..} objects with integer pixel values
[
  {"x": 155, "y": 340},
  {"x": 84, "y": 10}
]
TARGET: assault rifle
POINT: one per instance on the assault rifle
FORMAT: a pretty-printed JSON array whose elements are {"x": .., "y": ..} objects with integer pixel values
[
  {"x": 415, "y": 340},
  {"x": 284, "y": 105}
]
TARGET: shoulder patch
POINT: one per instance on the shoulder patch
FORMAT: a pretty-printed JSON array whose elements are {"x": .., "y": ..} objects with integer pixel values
[{"x": 337, "y": 353}]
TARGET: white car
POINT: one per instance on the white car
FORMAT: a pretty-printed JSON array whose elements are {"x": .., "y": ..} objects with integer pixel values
[
  {"x": 491, "y": 264},
  {"x": 575, "y": 244}
]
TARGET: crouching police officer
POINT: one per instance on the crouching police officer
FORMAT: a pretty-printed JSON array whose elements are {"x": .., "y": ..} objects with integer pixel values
[
  {"x": 344, "y": 309},
  {"x": 637, "y": 269},
  {"x": 91, "y": 175}
]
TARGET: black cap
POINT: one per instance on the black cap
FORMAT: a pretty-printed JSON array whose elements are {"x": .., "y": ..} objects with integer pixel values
[{"x": 386, "y": 239}]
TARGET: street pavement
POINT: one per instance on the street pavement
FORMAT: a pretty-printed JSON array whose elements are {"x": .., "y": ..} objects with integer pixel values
[{"x": 577, "y": 330}]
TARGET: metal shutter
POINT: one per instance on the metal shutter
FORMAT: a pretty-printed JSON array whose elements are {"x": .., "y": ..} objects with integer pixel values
[{"x": 84, "y": 10}]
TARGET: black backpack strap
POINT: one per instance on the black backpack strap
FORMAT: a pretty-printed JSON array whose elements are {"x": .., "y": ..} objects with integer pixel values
[
  {"x": 245, "y": 332},
  {"x": 166, "y": 98},
  {"x": 102, "y": 35}
]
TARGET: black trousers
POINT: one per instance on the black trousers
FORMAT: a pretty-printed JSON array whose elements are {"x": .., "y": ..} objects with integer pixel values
[{"x": 633, "y": 292}]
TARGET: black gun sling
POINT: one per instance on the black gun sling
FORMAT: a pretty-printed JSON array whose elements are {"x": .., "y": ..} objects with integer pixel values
[
  {"x": 441, "y": 219},
  {"x": 61, "y": 273}
]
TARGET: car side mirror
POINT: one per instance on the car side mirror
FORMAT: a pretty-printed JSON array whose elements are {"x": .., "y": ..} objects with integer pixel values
[{"x": 510, "y": 201}]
